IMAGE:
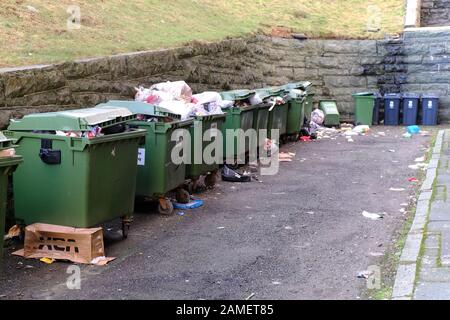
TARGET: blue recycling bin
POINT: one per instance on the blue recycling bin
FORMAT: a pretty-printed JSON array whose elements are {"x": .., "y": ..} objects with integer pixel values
[
  {"x": 430, "y": 108},
  {"x": 392, "y": 108},
  {"x": 410, "y": 107},
  {"x": 376, "y": 108}
]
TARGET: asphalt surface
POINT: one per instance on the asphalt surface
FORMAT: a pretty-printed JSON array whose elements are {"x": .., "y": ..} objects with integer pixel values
[{"x": 297, "y": 235}]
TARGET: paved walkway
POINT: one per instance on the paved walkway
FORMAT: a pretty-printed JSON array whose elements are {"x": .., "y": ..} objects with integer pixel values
[{"x": 424, "y": 271}]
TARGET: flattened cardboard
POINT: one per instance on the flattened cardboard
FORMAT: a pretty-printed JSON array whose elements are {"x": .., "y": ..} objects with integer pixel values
[{"x": 63, "y": 243}]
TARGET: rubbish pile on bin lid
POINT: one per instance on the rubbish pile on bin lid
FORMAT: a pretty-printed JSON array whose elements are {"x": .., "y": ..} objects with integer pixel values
[
  {"x": 6, "y": 147},
  {"x": 240, "y": 98},
  {"x": 273, "y": 95},
  {"x": 143, "y": 111},
  {"x": 177, "y": 97},
  {"x": 88, "y": 123}
]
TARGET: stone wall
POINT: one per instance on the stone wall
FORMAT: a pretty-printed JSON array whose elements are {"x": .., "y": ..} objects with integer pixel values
[
  {"x": 435, "y": 13},
  {"x": 427, "y": 61},
  {"x": 336, "y": 68}
]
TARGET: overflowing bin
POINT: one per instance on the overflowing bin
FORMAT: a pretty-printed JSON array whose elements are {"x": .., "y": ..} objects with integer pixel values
[
  {"x": 278, "y": 111},
  {"x": 364, "y": 107},
  {"x": 79, "y": 167},
  {"x": 157, "y": 174},
  {"x": 241, "y": 115},
  {"x": 430, "y": 109},
  {"x": 392, "y": 109},
  {"x": 8, "y": 163},
  {"x": 410, "y": 107}
]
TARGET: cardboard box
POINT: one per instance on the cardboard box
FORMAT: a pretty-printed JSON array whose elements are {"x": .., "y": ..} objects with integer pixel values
[{"x": 63, "y": 243}]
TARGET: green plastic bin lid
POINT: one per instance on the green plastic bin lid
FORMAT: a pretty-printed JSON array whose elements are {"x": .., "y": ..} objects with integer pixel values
[
  {"x": 265, "y": 93},
  {"x": 72, "y": 120},
  {"x": 328, "y": 106},
  {"x": 303, "y": 85},
  {"x": 5, "y": 143},
  {"x": 236, "y": 95},
  {"x": 140, "y": 108}
]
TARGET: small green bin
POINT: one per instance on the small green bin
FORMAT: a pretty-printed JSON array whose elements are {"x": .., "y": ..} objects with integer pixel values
[
  {"x": 279, "y": 113},
  {"x": 75, "y": 181},
  {"x": 197, "y": 166},
  {"x": 364, "y": 104},
  {"x": 331, "y": 112},
  {"x": 308, "y": 102},
  {"x": 7, "y": 166},
  {"x": 238, "y": 117},
  {"x": 156, "y": 174}
]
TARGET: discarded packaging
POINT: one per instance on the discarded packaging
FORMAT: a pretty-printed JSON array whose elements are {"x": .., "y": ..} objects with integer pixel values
[
  {"x": 397, "y": 189},
  {"x": 63, "y": 243},
  {"x": 194, "y": 204},
  {"x": 372, "y": 216},
  {"x": 232, "y": 176}
]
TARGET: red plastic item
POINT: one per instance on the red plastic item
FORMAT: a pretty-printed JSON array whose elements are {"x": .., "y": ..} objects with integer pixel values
[
  {"x": 413, "y": 180},
  {"x": 305, "y": 138}
]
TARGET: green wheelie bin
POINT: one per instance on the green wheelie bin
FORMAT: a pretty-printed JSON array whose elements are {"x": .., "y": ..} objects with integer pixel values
[
  {"x": 240, "y": 116},
  {"x": 198, "y": 166},
  {"x": 278, "y": 113},
  {"x": 296, "y": 112},
  {"x": 157, "y": 174},
  {"x": 308, "y": 102},
  {"x": 79, "y": 167},
  {"x": 364, "y": 107},
  {"x": 7, "y": 165}
]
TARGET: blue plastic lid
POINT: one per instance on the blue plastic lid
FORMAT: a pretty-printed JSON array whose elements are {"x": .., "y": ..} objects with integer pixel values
[
  {"x": 393, "y": 96},
  {"x": 410, "y": 95},
  {"x": 430, "y": 96}
]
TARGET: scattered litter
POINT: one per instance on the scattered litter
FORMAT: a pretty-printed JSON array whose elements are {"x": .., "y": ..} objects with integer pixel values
[
  {"x": 350, "y": 140},
  {"x": 276, "y": 282},
  {"x": 32, "y": 9},
  {"x": 404, "y": 204},
  {"x": 47, "y": 260},
  {"x": 407, "y": 135},
  {"x": 288, "y": 228},
  {"x": 372, "y": 216},
  {"x": 101, "y": 261},
  {"x": 383, "y": 134},
  {"x": 421, "y": 159},
  {"x": 194, "y": 204},
  {"x": 376, "y": 254},
  {"x": 220, "y": 228},
  {"x": 413, "y": 180},
  {"x": 279, "y": 193},
  {"x": 285, "y": 157},
  {"x": 402, "y": 210},
  {"x": 305, "y": 138},
  {"x": 363, "y": 129},
  {"x": 397, "y": 189},
  {"x": 310, "y": 212},
  {"x": 13, "y": 232},
  {"x": 391, "y": 150},
  {"x": 230, "y": 175},
  {"x": 365, "y": 274},
  {"x": 413, "y": 130},
  {"x": 180, "y": 213},
  {"x": 418, "y": 166}
]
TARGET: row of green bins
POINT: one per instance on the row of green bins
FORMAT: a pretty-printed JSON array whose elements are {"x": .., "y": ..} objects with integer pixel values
[
  {"x": 69, "y": 176},
  {"x": 7, "y": 165},
  {"x": 278, "y": 113},
  {"x": 305, "y": 86},
  {"x": 242, "y": 115},
  {"x": 198, "y": 164},
  {"x": 157, "y": 174},
  {"x": 364, "y": 105}
]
